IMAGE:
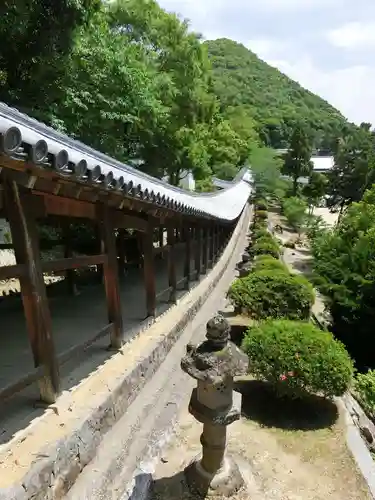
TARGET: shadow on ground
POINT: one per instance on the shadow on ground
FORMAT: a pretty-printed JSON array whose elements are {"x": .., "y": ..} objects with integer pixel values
[
  {"x": 173, "y": 488},
  {"x": 262, "y": 405}
]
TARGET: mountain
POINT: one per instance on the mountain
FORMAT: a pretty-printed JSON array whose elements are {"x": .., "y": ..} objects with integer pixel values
[{"x": 273, "y": 100}]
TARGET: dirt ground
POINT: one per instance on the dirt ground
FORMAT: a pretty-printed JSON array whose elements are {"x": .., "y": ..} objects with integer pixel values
[{"x": 286, "y": 451}]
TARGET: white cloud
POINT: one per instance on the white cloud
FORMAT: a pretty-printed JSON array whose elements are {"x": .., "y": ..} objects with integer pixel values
[{"x": 353, "y": 35}]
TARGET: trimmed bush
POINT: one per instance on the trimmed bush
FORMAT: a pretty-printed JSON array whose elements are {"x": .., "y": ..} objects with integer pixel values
[
  {"x": 261, "y": 214},
  {"x": 297, "y": 358},
  {"x": 364, "y": 387},
  {"x": 265, "y": 294},
  {"x": 265, "y": 246},
  {"x": 261, "y": 204},
  {"x": 270, "y": 263},
  {"x": 261, "y": 233}
]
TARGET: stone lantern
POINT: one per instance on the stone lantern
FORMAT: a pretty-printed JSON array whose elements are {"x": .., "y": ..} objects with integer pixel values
[{"x": 213, "y": 364}]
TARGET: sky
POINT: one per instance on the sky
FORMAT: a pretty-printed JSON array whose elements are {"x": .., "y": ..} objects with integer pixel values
[{"x": 328, "y": 46}]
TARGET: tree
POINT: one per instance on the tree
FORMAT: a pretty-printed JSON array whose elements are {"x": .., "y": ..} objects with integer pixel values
[
  {"x": 295, "y": 209},
  {"x": 315, "y": 189},
  {"x": 344, "y": 265},
  {"x": 353, "y": 171},
  {"x": 107, "y": 108},
  {"x": 298, "y": 158},
  {"x": 36, "y": 36},
  {"x": 266, "y": 167},
  {"x": 170, "y": 148}
]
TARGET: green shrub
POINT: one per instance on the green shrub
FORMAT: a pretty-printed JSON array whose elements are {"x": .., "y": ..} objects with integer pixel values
[
  {"x": 265, "y": 246},
  {"x": 265, "y": 294},
  {"x": 261, "y": 233},
  {"x": 261, "y": 204},
  {"x": 270, "y": 263},
  {"x": 364, "y": 387},
  {"x": 297, "y": 358},
  {"x": 295, "y": 210},
  {"x": 261, "y": 214}
]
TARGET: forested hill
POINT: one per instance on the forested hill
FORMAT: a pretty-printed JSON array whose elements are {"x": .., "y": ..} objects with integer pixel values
[{"x": 274, "y": 100}]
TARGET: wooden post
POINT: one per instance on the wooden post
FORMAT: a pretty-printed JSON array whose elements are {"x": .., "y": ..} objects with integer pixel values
[
  {"x": 161, "y": 239},
  {"x": 149, "y": 271},
  {"x": 19, "y": 207},
  {"x": 69, "y": 273},
  {"x": 111, "y": 275},
  {"x": 205, "y": 250},
  {"x": 121, "y": 252},
  {"x": 187, "y": 264},
  {"x": 172, "y": 277},
  {"x": 212, "y": 245},
  {"x": 216, "y": 242},
  {"x": 198, "y": 250}
]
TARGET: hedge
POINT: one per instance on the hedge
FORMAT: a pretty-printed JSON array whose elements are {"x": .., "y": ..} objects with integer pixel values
[
  {"x": 265, "y": 246},
  {"x": 298, "y": 358},
  {"x": 261, "y": 214},
  {"x": 264, "y": 293},
  {"x": 364, "y": 387},
  {"x": 265, "y": 262}
]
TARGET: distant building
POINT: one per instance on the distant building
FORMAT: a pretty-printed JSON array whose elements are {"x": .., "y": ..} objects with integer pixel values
[{"x": 187, "y": 181}]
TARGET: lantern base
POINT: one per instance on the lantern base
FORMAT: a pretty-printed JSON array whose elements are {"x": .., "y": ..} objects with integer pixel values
[{"x": 224, "y": 483}]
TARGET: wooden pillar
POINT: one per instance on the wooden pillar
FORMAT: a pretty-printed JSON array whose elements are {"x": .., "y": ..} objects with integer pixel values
[
  {"x": 212, "y": 245},
  {"x": 161, "y": 237},
  {"x": 198, "y": 250},
  {"x": 19, "y": 205},
  {"x": 70, "y": 274},
  {"x": 111, "y": 275},
  {"x": 121, "y": 242},
  {"x": 216, "y": 243},
  {"x": 205, "y": 250},
  {"x": 149, "y": 270},
  {"x": 172, "y": 276},
  {"x": 187, "y": 263}
]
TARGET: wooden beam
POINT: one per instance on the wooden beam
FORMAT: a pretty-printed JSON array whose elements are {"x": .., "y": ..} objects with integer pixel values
[
  {"x": 111, "y": 278},
  {"x": 69, "y": 207},
  {"x": 38, "y": 318},
  {"x": 149, "y": 270},
  {"x": 187, "y": 263},
  {"x": 172, "y": 276},
  {"x": 16, "y": 271},
  {"x": 73, "y": 263}
]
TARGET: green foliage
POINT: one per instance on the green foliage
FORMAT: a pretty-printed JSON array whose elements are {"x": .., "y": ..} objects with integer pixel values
[
  {"x": 261, "y": 233},
  {"x": 364, "y": 387},
  {"x": 261, "y": 214},
  {"x": 260, "y": 204},
  {"x": 269, "y": 263},
  {"x": 297, "y": 358},
  {"x": 36, "y": 37},
  {"x": 264, "y": 294},
  {"x": 265, "y": 167},
  {"x": 344, "y": 265},
  {"x": 315, "y": 189},
  {"x": 270, "y": 98},
  {"x": 295, "y": 211},
  {"x": 265, "y": 246},
  {"x": 297, "y": 161},
  {"x": 354, "y": 169}
]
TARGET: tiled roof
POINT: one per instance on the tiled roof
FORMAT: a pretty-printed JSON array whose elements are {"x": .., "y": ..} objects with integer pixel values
[{"x": 27, "y": 139}]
